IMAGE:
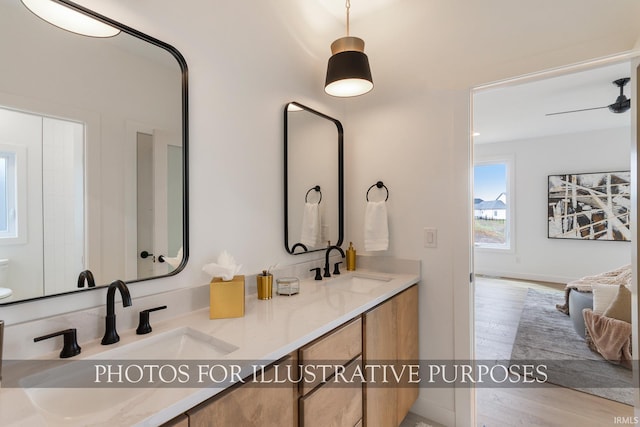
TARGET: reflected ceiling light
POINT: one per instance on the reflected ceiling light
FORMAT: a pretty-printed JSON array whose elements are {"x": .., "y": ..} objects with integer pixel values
[
  {"x": 348, "y": 72},
  {"x": 68, "y": 19},
  {"x": 293, "y": 107}
]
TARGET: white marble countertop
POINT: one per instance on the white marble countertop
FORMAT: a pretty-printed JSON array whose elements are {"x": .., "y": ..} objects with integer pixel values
[{"x": 270, "y": 330}]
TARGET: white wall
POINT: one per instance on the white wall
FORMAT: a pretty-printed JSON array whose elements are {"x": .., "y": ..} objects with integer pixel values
[
  {"x": 534, "y": 256},
  {"x": 411, "y": 147},
  {"x": 63, "y": 204}
]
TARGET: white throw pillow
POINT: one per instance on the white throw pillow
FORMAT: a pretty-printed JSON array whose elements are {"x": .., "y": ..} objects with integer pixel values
[{"x": 603, "y": 296}]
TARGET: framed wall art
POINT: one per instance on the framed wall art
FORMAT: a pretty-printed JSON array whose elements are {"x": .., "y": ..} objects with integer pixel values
[{"x": 589, "y": 206}]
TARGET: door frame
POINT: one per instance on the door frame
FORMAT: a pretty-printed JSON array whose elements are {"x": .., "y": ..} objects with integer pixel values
[{"x": 465, "y": 399}]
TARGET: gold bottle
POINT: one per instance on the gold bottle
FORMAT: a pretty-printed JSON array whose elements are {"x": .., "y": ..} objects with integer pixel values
[{"x": 351, "y": 258}]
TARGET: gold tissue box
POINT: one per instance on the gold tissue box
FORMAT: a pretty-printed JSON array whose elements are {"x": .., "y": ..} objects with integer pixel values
[{"x": 226, "y": 299}]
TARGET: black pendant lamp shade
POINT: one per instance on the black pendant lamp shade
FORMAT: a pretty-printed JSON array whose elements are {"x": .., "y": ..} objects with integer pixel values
[{"x": 348, "y": 74}]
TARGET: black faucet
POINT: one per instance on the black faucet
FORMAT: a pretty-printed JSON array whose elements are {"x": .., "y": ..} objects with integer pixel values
[
  {"x": 326, "y": 258},
  {"x": 110, "y": 333},
  {"x": 87, "y": 276},
  {"x": 318, "y": 275}
]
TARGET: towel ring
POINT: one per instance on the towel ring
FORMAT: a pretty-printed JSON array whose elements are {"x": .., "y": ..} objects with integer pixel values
[
  {"x": 378, "y": 184},
  {"x": 316, "y": 188}
]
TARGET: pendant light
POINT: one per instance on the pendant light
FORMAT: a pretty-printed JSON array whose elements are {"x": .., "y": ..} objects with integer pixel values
[
  {"x": 348, "y": 72},
  {"x": 69, "y": 19}
]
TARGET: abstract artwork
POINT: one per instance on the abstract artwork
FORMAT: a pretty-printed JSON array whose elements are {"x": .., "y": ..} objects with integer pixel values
[{"x": 589, "y": 206}]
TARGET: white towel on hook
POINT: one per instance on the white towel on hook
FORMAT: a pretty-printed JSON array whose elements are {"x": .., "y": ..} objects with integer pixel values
[
  {"x": 376, "y": 227},
  {"x": 311, "y": 225}
]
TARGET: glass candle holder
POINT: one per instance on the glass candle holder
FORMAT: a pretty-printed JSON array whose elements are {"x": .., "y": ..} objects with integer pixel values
[{"x": 288, "y": 286}]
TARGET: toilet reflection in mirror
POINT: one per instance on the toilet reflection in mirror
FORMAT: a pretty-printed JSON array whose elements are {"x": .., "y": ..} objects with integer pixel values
[{"x": 5, "y": 292}]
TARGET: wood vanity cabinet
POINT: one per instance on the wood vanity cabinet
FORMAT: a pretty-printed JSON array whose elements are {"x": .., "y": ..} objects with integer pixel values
[
  {"x": 388, "y": 333},
  {"x": 247, "y": 404},
  {"x": 391, "y": 334}
]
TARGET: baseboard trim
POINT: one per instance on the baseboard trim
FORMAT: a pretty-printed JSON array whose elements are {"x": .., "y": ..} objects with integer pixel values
[
  {"x": 526, "y": 276},
  {"x": 434, "y": 412}
]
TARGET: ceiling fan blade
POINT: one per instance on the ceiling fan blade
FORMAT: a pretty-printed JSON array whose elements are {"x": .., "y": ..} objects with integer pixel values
[{"x": 576, "y": 111}]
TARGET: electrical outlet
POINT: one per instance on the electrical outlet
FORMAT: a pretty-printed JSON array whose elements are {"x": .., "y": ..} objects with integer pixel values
[{"x": 430, "y": 238}]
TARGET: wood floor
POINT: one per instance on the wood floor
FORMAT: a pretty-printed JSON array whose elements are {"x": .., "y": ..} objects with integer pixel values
[{"x": 498, "y": 304}]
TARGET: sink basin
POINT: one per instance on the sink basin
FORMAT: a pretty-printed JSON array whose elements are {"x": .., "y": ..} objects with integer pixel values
[
  {"x": 71, "y": 391},
  {"x": 359, "y": 283},
  {"x": 177, "y": 344}
]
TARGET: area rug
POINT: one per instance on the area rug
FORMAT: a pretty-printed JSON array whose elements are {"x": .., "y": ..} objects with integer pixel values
[{"x": 546, "y": 336}]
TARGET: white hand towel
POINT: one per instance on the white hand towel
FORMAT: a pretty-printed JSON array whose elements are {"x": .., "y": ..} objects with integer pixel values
[
  {"x": 376, "y": 228},
  {"x": 310, "y": 235}
]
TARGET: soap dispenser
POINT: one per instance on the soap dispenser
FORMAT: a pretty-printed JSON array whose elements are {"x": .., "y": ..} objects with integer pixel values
[{"x": 351, "y": 257}]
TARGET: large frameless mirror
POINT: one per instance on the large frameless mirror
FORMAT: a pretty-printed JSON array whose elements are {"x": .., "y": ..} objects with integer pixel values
[
  {"x": 313, "y": 180},
  {"x": 93, "y": 156}
]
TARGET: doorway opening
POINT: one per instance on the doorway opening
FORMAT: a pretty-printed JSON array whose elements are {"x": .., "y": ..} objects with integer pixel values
[{"x": 521, "y": 264}]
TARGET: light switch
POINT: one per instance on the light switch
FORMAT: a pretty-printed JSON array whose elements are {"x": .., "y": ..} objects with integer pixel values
[{"x": 430, "y": 238}]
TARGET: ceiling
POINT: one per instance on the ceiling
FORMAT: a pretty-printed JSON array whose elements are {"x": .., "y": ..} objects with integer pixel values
[
  {"x": 517, "y": 111},
  {"x": 358, "y": 9}
]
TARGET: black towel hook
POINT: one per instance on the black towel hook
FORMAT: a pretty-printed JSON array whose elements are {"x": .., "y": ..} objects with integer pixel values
[
  {"x": 316, "y": 188},
  {"x": 378, "y": 184}
]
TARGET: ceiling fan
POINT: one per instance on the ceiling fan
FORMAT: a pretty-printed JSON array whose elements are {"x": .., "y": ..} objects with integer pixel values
[{"x": 621, "y": 105}]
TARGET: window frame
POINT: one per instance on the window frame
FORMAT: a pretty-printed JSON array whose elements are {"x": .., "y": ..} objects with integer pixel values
[
  {"x": 509, "y": 162},
  {"x": 16, "y": 182}
]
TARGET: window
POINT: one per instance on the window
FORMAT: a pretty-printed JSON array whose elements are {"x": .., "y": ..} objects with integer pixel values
[
  {"x": 8, "y": 195},
  {"x": 12, "y": 197},
  {"x": 492, "y": 205}
]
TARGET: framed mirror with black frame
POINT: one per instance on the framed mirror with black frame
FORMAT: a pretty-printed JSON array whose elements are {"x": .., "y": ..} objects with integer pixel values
[
  {"x": 94, "y": 155},
  {"x": 313, "y": 180}
]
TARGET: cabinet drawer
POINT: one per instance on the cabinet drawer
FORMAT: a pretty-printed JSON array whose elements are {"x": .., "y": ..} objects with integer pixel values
[
  {"x": 334, "y": 404},
  {"x": 262, "y": 404},
  {"x": 338, "y": 347}
]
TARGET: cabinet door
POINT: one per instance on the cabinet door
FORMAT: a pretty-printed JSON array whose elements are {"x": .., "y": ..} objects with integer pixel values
[
  {"x": 391, "y": 336},
  {"x": 407, "y": 310},
  {"x": 380, "y": 348},
  {"x": 248, "y": 405}
]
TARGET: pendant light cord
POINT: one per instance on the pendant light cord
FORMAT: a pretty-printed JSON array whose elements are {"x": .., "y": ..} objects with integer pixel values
[{"x": 348, "y": 6}]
